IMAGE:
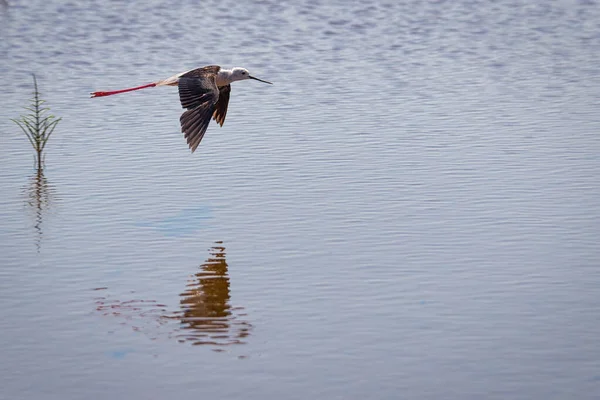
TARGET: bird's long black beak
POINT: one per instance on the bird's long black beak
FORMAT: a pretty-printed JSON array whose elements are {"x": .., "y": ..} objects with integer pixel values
[{"x": 260, "y": 80}]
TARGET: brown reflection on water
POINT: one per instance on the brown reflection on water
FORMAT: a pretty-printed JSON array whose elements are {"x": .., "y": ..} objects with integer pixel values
[
  {"x": 38, "y": 197},
  {"x": 205, "y": 315}
]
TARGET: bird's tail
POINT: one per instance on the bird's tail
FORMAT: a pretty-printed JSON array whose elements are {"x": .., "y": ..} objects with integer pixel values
[{"x": 101, "y": 94}]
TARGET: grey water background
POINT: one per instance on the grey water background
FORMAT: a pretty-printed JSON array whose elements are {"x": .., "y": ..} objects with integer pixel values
[{"x": 412, "y": 210}]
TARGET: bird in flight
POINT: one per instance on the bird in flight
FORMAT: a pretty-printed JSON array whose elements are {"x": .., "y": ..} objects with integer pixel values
[{"x": 203, "y": 92}]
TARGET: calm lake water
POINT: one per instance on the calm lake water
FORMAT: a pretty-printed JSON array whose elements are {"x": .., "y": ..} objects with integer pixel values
[{"x": 412, "y": 210}]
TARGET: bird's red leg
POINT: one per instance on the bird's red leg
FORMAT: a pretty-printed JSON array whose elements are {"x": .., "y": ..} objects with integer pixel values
[{"x": 101, "y": 94}]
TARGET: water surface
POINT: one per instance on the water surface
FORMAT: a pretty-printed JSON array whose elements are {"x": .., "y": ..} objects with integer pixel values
[{"x": 411, "y": 210}]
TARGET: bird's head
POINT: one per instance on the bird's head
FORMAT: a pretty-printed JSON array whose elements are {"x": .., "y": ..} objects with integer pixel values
[{"x": 239, "y": 74}]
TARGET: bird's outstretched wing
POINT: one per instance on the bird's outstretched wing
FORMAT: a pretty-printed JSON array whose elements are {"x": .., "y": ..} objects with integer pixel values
[
  {"x": 221, "y": 106},
  {"x": 194, "y": 123},
  {"x": 199, "y": 94}
]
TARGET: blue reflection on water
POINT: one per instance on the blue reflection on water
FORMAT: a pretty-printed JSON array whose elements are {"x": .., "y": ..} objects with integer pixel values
[
  {"x": 185, "y": 222},
  {"x": 118, "y": 354}
]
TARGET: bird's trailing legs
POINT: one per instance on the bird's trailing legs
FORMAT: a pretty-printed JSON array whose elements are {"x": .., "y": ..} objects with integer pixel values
[{"x": 101, "y": 94}]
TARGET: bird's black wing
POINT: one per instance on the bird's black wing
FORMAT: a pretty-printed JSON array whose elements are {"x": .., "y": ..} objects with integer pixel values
[
  {"x": 202, "y": 72},
  {"x": 198, "y": 93},
  {"x": 221, "y": 106},
  {"x": 194, "y": 123}
]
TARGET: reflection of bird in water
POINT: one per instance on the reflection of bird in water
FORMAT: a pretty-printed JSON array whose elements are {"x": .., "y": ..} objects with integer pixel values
[
  {"x": 38, "y": 196},
  {"x": 206, "y": 315}
]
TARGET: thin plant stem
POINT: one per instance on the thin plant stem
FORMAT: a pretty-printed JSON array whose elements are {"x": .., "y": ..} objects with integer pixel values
[{"x": 37, "y": 126}]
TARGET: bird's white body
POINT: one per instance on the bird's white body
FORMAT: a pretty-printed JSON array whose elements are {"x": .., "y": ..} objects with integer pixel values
[{"x": 224, "y": 77}]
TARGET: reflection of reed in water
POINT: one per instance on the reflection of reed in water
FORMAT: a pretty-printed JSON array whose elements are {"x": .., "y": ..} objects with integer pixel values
[
  {"x": 38, "y": 195},
  {"x": 206, "y": 315}
]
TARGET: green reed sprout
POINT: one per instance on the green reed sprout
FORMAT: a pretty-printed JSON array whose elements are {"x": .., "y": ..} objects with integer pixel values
[{"x": 37, "y": 125}]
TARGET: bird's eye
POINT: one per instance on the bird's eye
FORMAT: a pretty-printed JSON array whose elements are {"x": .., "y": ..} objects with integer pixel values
[{"x": 243, "y": 72}]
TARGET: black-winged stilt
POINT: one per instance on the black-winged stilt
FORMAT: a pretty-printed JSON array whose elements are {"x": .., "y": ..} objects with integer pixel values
[{"x": 204, "y": 92}]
